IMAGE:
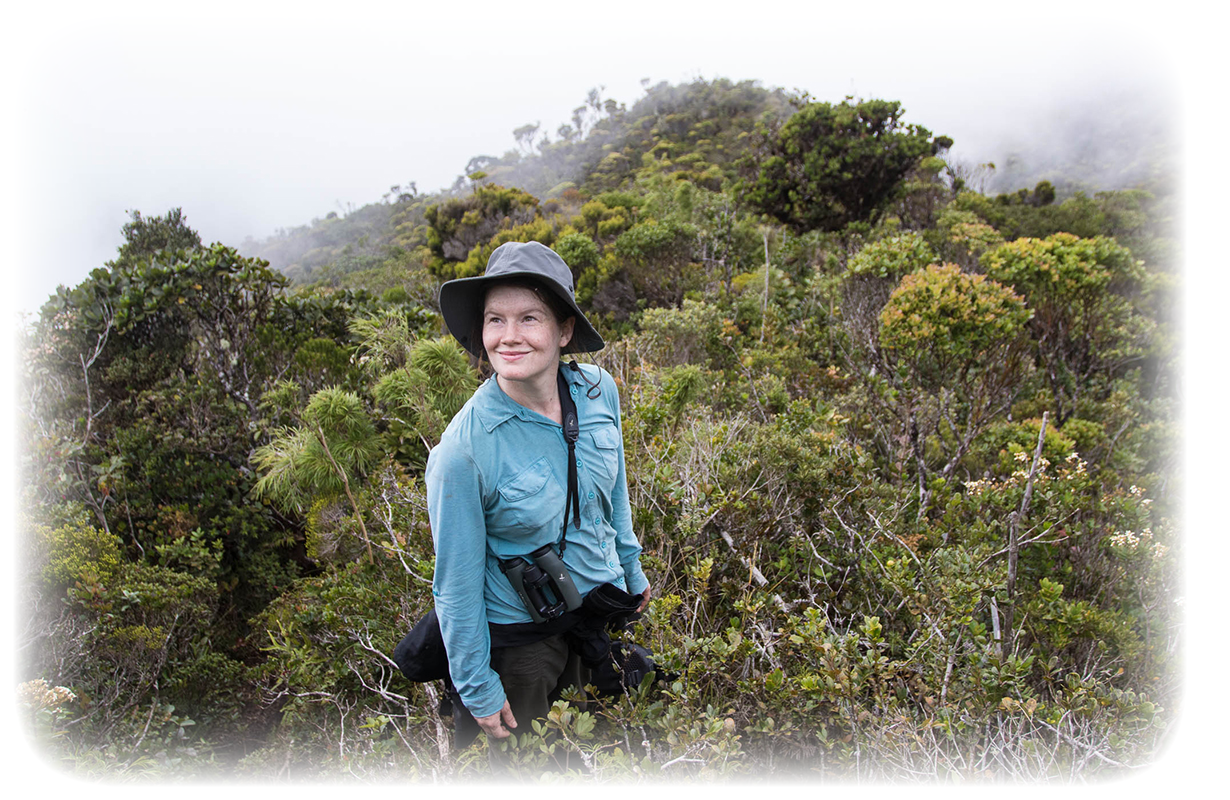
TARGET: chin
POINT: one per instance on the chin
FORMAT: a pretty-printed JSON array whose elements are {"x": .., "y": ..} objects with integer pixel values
[{"x": 518, "y": 372}]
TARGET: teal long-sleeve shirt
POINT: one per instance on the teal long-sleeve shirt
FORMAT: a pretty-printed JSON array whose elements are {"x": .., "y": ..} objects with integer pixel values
[{"x": 496, "y": 486}]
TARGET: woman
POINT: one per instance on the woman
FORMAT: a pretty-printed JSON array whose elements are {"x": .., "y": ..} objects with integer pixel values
[{"x": 498, "y": 482}]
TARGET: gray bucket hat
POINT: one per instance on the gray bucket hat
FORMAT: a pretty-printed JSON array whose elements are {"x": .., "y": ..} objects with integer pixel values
[{"x": 461, "y": 300}]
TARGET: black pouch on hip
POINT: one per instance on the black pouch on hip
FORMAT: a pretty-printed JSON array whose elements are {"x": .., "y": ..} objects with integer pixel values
[{"x": 421, "y": 656}]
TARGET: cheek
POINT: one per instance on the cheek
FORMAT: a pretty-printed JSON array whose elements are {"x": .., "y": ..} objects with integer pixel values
[{"x": 491, "y": 337}]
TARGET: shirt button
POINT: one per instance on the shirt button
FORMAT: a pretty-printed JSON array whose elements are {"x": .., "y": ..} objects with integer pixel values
[
  {"x": 574, "y": 391},
  {"x": 597, "y": 520},
  {"x": 602, "y": 545},
  {"x": 609, "y": 564},
  {"x": 591, "y": 495},
  {"x": 578, "y": 462}
]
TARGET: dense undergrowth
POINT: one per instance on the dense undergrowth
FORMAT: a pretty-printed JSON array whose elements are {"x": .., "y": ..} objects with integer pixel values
[{"x": 907, "y": 487}]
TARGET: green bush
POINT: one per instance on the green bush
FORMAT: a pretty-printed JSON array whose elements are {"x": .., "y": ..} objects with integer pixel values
[
  {"x": 893, "y": 257},
  {"x": 76, "y": 551}
]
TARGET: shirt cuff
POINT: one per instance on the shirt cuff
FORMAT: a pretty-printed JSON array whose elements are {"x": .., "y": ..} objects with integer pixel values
[
  {"x": 635, "y": 578},
  {"x": 490, "y": 702}
]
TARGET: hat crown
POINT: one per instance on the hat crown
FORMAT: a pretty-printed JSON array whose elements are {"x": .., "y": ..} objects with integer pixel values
[{"x": 530, "y": 257}]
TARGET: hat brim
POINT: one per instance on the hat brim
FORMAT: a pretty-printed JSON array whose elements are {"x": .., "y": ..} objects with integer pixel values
[{"x": 461, "y": 304}]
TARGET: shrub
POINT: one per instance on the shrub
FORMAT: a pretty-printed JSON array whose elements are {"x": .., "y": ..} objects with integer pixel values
[{"x": 76, "y": 550}]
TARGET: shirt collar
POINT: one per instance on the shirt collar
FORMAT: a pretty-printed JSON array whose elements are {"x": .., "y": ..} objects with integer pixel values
[{"x": 495, "y": 408}]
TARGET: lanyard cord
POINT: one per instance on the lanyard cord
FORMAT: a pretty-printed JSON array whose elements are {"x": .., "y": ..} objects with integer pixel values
[
  {"x": 568, "y": 410},
  {"x": 594, "y": 391}
]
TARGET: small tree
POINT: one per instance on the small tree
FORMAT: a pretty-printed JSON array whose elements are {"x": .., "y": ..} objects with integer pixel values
[
  {"x": 871, "y": 275},
  {"x": 831, "y": 165},
  {"x": 456, "y": 226},
  {"x": 147, "y": 236},
  {"x": 957, "y": 343},
  {"x": 1085, "y": 322},
  {"x": 579, "y": 252}
]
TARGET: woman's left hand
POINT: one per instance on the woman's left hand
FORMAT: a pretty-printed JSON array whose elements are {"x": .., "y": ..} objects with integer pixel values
[{"x": 644, "y": 599}]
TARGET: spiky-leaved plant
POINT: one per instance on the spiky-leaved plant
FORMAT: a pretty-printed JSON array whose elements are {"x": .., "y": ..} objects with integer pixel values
[
  {"x": 335, "y": 443},
  {"x": 424, "y": 394}
]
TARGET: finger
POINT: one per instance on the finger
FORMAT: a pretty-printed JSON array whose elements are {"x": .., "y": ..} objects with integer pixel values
[{"x": 507, "y": 717}]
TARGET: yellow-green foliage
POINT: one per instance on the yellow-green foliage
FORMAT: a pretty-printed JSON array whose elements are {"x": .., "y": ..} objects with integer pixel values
[
  {"x": 697, "y": 333},
  {"x": 967, "y": 230},
  {"x": 996, "y": 451},
  {"x": 425, "y": 393},
  {"x": 893, "y": 256},
  {"x": 944, "y": 314},
  {"x": 1086, "y": 298},
  {"x": 591, "y": 280},
  {"x": 538, "y": 230},
  {"x": 459, "y": 225},
  {"x": 603, "y": 222},
  {"x": 75, "y": 550},
  {"x": 1064, "y": 266},
  {"x": 578, "y": 251},
  {"x": 331, "y": 535},
  {"x": 140, "y": 637}
]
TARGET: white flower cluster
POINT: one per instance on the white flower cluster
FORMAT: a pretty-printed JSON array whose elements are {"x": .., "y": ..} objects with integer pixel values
[
  {"x": 38, "y": 695},
  {"x": 1076, "y": 466},
  {"x": 976, "y": 488},
  {"x": 1023, "y": 474},
  {"x": 1129, "y": 540}
]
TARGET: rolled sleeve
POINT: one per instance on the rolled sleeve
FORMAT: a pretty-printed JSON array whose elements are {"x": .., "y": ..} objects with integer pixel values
[{"x": 454, "y": 506}]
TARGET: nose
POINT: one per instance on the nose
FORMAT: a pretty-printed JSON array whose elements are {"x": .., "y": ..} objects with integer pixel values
[{"x": 511, "y": 332}]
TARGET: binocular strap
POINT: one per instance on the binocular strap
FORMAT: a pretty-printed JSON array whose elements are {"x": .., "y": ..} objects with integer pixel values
[{"x": 572, "y": 428}]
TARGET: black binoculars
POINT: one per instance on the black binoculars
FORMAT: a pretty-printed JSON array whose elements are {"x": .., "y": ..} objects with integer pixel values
[{"x": 542, "y": 583}]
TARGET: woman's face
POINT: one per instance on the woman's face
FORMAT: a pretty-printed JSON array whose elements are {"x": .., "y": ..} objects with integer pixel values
[{"x": 522, "y": 338}]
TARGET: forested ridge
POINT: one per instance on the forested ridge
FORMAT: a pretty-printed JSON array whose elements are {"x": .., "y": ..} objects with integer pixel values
[{"x": 902, "y": 454}]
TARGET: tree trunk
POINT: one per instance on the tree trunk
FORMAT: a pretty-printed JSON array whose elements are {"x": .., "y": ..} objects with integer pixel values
[
  {"x": 1014, "y": 547},
  {"x": 764, "y": 309}
]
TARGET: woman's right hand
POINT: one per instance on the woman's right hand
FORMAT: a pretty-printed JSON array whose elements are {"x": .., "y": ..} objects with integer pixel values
[{"x": 494, "y": 725}]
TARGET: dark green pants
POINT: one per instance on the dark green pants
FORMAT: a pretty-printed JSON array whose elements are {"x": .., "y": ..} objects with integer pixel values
[{"x": 533, "y": 676}]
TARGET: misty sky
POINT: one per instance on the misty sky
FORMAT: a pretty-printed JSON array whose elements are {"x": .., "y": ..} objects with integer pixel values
[{"x": 261, "y": 117}]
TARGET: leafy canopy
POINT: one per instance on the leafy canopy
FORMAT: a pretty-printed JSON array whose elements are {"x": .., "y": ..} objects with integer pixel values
[
  {"x": 831, "y": 165},
  {"x": 942, "y": 321},
  {"x": 147, "y": 236}
]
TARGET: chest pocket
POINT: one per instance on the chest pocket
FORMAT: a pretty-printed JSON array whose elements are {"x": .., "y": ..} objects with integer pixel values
[
  {"x": 606, "y": 444},
  {"x": 527, "y": 502}
]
